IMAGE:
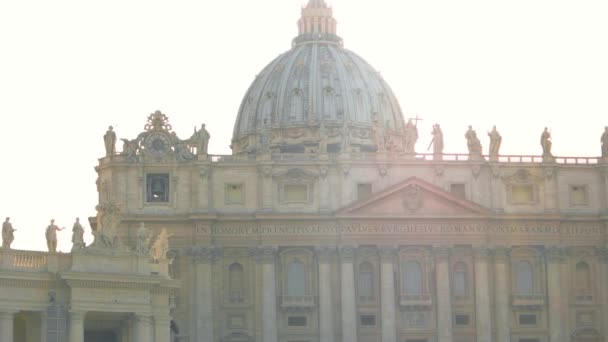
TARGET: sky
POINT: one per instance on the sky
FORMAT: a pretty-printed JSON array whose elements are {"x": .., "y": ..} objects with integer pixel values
[{"x": 71, "y": 68}]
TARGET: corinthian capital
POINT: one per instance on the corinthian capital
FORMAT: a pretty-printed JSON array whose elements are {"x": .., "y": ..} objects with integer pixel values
[
  {"x": 266, "y": 254},
  {"x": 324, "y": 253},
  {"x": 442, "y": 253},
  {"x": 203, "y": 254},
  {"x": 387, "y": 253},
  {"x": 347, "y": 253},
  {"x": 555, "y": 253},
  {"x": 482, "y": 253}
]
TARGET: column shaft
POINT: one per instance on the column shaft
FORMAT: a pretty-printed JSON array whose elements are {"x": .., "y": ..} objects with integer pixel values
[
  {"x": 603, "y": 258},
  {"x": 349, "y": 310},
  {"x": 269, "y": 295},
  {"x": 326, "y": 314},
  {"x": 389, "y": 329},
  {"x": 162, "y": 328},
  {"x": 6, "y": 326},
  {"x": 503, "y": 322},
  {"x": 77, "y": 326},
  {"x": 43, "y": 325},
  {"x": 204, "y": 257},
  {"x": 143, "y": 329},
  {"x": 482, "y": 295},
  {"x": 554, "y": 257},
  {"x": 444, "y": 300}
]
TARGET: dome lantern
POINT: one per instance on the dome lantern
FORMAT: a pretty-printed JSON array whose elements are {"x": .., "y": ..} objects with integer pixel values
[{"x": 317, "y": 24}]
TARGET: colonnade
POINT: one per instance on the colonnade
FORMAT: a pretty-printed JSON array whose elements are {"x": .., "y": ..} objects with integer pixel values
[{"x": 484, "y": 260}]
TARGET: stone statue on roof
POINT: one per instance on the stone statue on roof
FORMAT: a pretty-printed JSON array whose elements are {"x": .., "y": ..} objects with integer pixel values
[
  {"x": 77, "y": 236},
  {"x": 201, "y": 138},
  {"x": 8, "y": 235},
  {"x": 495, "y": 141},
  {"x": 142, "y": 245},
  {"x": 473, "y": 143},
  {"x": 411, "y": 136},
  {"x": 604, "y": 141},
  {"x": 160, "y": 247},
  {"x": 437, "y": 141},
  {"x": 51, "y": 236},
  {"x": 545, "y": 143},
  {"x": 109, "y": 140}
]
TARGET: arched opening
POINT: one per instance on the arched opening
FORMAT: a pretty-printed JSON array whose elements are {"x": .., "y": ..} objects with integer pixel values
[
  {"x": 236, "y": 282},
  {"x": 366, "y": 282},
  {"x": 413, "y": 278},
  {"x": 296, "y": 279},
  {"x": 583, "y": 277},
  {"x": 525, "y": 278},
  {"x": 460, "y": 286}
]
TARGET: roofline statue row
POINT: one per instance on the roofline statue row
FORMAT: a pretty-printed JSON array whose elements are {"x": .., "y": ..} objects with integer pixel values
[{"x": 159, "y": 143}]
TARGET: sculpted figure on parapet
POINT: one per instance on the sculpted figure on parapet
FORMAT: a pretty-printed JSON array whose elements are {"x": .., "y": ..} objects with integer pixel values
[
  {"x": 437, "y": 141},
  {"x": 7, "y": 233},
  {"x": 473, "y": 143},
  {"x": 129, "y": 149},
  {"x": 51, "y": 236},
  {"x": 160, "y": 247},
  {"x": 545, "y": 143},
  {"x": 143, "y": 240},
  {"x": 604, "y": 141},
  {"x": 108, "y": 218},
  {"x": 201, "y": 138},
  {"x": 495, "y": 141},
  {"x": 411, "y": 136},
  {"x": 109, "y": 140},
  {"x": 77, "y": 236}
]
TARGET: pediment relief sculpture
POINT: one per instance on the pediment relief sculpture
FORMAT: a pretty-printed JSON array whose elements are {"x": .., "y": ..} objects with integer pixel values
[
  {"x": 413, "y": 197},
  {"x": 522, "y": 177},
  {"x": 296, "y": 174}
]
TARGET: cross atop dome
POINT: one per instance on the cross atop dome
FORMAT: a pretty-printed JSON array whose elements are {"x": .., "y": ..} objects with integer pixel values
[{"x": 317, "y": 23}]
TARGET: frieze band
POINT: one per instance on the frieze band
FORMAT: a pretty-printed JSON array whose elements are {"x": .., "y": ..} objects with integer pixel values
[{"x": 269, "y": 230}]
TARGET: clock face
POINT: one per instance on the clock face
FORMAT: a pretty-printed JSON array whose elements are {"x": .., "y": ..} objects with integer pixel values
[{"x": 158, "y": 144}]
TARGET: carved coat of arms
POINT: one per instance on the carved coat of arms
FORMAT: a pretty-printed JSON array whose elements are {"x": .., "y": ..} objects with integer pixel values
[{"x": 411, "y": 198}]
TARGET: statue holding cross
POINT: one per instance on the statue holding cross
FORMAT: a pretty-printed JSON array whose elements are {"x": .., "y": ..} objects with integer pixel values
[{"x": 411, "y": 135}]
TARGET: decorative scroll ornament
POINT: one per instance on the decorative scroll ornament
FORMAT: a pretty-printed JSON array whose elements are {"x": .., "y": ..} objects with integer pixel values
[
  {"x": 108, "y": 219},
  {"x": 158, "y": 121},
  {"x": 411, "y": 198}
]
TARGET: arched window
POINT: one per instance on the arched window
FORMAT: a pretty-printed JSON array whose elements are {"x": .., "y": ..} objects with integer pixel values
[
  {"x": 296, "y": 279},
  {"x": 583, "y": 276},
  {"x": 236, "y": 281},
  {"x": 525, "y": 278},
  {"x": 460, "y": 280},
  {"x": 413, "y": 278},
  {"x": 366, "y": 281}
]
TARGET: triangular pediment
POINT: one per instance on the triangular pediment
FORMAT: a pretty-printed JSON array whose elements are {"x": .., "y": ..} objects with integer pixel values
[{"x": 413, "y": 197}]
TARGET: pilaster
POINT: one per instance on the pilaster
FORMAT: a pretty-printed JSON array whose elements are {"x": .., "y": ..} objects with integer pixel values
[
  {"x": 602, "y": 253},
  {"x": 388, "y": 255},
  {"x": 162, "y": 328},
  {"x": 501, "y": 293},
  {"x": 348, "y": 302},
  {"x": 267, "y": 256},
  {"x": 326, "y": 313},
  {"x": 555, "y": 256},
  {"x": 76, "y": 326},
  {"x": 444, "y": 297},
  {"x": 482, "y": 294},
  {"x": 203, "y": 258}
]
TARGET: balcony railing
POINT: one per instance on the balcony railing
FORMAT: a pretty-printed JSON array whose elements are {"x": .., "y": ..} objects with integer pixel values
[
  {"x": 297, "y": 301},
  {"x": 415, "y": 300},
  {"x": 32, "y": 261},
  {"x": 534, "y": 300},
  {"x": 582, "y": 297}
]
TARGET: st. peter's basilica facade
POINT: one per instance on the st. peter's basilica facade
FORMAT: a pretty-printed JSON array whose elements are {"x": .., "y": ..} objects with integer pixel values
[{"x": 323, "y": 225}]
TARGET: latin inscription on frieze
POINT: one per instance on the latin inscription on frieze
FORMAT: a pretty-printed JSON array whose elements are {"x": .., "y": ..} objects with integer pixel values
[{"x": 402, "y": 229}]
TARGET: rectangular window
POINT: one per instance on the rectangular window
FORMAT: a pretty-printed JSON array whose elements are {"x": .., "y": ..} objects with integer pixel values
[
  {"x": 297, "y": 321},
  {"x": 458, "y": 190},
  {"x": 233, "y": 194},
  {"x": 368, "y": 320},
  {"x": 529, "y": 340},
  {"x": 295, "y": 193},
  {"x": 416, "y": 340},
  {"x": 157, "y": 188},
  {"x": 522, "y": 194},
  {"x": 364, "y": 190},
  {"x": 579, "y": 195},
  {"x": 461, "y": 319},
  {"x": 527, "y": 319}
]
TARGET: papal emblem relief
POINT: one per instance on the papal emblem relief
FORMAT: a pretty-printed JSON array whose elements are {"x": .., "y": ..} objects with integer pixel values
[{"x": 411, "y": 198}]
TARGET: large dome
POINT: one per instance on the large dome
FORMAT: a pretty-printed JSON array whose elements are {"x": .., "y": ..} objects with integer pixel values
[{"x": 315, "y": 92}]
